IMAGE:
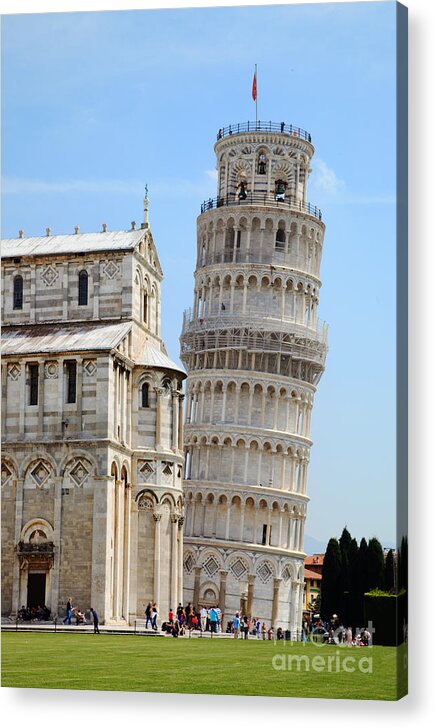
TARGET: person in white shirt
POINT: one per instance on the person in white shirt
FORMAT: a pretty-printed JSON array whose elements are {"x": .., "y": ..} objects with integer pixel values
[{"x": 204, "y": 615}]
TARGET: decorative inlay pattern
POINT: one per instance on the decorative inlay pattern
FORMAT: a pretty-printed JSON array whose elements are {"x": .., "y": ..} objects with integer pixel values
[
  {"x": 49, "y": 275},
  {"x": 51, "y": 370},
  {"x": 14, "y": 371},
  {"x": 265, "y": 572},
  {"x": 89, "y": 367},
  {"x": 6, "y": 474},
  {"x": 146, "y": 471},
  {"x": 79, "y": 473},
  {"x": 238, "y": 568},
  {"x": 40, "y": 474},
  {"x": 145, "y": 504},
  {"x": 189, "y": 563},
  {"x": 286, "y": 575},
  {"x": 211, "y": 566},
  {"x": 111, "y": 269}
]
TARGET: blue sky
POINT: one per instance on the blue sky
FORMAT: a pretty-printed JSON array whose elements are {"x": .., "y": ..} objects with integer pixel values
[{"x": 97, "y": 104}]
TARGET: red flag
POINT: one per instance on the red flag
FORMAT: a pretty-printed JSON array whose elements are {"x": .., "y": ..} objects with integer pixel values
[{"x": 254, "y": 86}]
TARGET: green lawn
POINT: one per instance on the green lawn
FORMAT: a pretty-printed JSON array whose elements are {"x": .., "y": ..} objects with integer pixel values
[{"x": 138, "y": 663}]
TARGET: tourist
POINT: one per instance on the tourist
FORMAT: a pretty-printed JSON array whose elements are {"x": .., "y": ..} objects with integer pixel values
[
  {"x": 95, "y": 618},
  {"x": 258, "y": 628},
  {"x": 68, "y": 611},
  {"x": 148, "y": 615},
  {"x": 263, "y": 630},
  {"x": 236, "y": 626},
  {"x": 204, "y": 615},
  {"x": 245, "y": 627},
  {"x": 154, "y": 616},
  {"x": 213, "y": 616}
]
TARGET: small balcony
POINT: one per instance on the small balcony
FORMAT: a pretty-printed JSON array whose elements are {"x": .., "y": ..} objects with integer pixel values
[
  {"x": 279, "y": 201},
  {"x": 269, "y": 126}
]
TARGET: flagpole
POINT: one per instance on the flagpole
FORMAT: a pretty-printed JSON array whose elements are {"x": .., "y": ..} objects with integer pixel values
[{"x": 256, "y": 97}]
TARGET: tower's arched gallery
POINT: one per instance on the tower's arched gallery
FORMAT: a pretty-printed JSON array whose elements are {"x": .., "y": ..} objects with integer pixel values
[
  {"x": 254, "y": 350},
  {"x": 92, "y": 423}
]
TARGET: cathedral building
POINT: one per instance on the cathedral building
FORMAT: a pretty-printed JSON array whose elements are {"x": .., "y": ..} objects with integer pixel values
[
  {"x": 92, "y": 427},
  {"x": 254, "y": 350}
]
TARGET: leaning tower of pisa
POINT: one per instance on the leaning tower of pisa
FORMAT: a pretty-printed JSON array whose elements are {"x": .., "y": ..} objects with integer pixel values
[{"x": 254, "y": 350}]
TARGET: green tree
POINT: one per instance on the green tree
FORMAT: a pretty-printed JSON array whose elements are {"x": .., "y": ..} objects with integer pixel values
[
  {"x": 354, "y": 581},
  {"x": 345, "y": 542},
  {"x": 389, "y": 571},
  {"x": 331, "y": 579},
  {"x": 376, "y": 565},
  {"x": 362, "y": 582}
]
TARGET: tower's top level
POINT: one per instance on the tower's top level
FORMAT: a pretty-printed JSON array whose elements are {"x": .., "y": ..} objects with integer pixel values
[{"x": 263, "y": 163}]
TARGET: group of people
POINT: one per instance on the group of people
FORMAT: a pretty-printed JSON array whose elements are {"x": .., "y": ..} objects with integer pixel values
[
  {"x": 188, "y": 619},
  {"x": 28, "y": 614},
  {"x": 334, "y": 632}
]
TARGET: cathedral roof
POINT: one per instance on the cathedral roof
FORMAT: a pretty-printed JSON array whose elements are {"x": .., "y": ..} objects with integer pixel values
[
  {"x": 77, "y": 243},
  {"x": 47, "y": 338},
  {"x": 154, "y": 358}
]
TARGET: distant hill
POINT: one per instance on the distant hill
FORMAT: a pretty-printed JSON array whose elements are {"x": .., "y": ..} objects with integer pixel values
[{"x": 314, "y": 546}]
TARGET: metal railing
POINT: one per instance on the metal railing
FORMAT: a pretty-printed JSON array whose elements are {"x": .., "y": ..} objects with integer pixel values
[
  {"x": 265, "y": 199},
  {"x": 271, "y": 126}
]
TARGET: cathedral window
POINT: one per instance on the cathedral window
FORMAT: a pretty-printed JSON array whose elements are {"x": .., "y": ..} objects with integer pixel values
[
  {"x": 18, "y": 292},
  {"x": 33, "y": 383},
  {"x": 145, "y": 391},
  {"x": 83, "y": 288},
  {"x": 71, "y": 376},
  {"x": 145, "y": 307}
]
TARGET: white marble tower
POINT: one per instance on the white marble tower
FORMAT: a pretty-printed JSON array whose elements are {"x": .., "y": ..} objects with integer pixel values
[{"x": 254, "y": 350}]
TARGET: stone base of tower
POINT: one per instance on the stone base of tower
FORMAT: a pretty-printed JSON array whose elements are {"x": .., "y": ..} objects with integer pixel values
[{"x": 261, "y": 584}]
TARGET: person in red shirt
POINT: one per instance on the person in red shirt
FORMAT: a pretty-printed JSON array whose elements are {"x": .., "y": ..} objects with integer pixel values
[{"x": 171, "y": 616}]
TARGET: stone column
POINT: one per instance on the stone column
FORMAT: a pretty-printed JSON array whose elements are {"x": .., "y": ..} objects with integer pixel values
[
  {"x": 227, "y": 524},
  {"x": 222, "y": 594},
  {"x": 41, "y": 373},
  {"x": 180, "y": 421},
  {"x": 196, "y": 585},
  {"x": 157, "y": 519},
  {"x": 57, "y": 530},
  {"x": 276, "y": 585},
  {"x": 175, "y": 419},
  {"x": 180, "y": 560},
  {"x": 174, "y": 560},
  {"x": 16, "y": 579},
  {"x": 4, "y": 396},
  {"x": 251, "y": 581},
  {"x": 159, "y": 392},
  {"x": 242, "y": 521},
  {"x": 127, "y": 555},
  {"x": 79, "y": 400}
]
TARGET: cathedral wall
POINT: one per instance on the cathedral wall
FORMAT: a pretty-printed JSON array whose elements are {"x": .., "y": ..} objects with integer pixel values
[{"x": 76, "y": 543}]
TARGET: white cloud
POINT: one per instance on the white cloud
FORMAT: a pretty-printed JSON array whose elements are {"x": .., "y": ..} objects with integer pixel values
[
  {"x": 212, "y": 174},
  {"x": 324, "y": 178}
]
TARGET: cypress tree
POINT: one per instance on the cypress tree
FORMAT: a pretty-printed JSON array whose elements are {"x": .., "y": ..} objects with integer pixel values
[
  {"x": 344, "y": 587},
  {"x": 376, "y": 565},
  {"x": 363, "y": 582},
  {"x": 353, "y": 583},
  {"x": 331, "y": 577},
  {"x": 389, "y": 571}
]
